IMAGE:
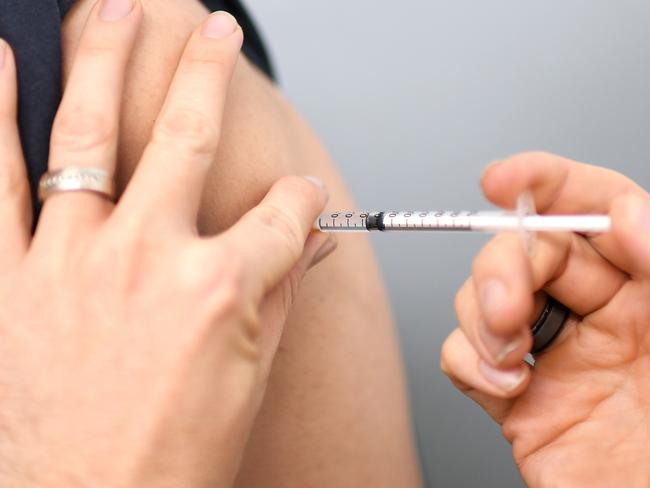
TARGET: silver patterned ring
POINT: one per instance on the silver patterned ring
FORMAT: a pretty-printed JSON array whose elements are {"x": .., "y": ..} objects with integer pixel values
[{"x": 76, "y": 179}]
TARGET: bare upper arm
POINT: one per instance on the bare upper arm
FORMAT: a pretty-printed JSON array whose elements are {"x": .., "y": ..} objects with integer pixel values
[{"x": 335, "y": 411}]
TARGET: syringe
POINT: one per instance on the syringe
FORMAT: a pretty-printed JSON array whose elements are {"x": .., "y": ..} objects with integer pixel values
[
  {"x": 523, "y": 220},
  {"x": 414, "y": 221}
]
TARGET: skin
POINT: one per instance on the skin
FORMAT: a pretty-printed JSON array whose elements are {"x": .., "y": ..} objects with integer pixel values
[
  {"x": 122, "y": 328},
  {"x": 335, "y": 411},
  {"x": 580, "y": 417}
]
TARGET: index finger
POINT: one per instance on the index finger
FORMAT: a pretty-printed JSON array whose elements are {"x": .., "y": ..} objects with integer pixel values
[
  {"x": 562, "y": 186},
  {"x": 168, "y": 182},
  {"x": 559, "y": 185}
]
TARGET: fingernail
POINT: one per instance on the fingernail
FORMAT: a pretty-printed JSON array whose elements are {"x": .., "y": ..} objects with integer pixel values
[
  {"x": 112, "y": 10},
  {"x": 319, "y": 183},
  {"x": 506, "y": 380},
  {"x": 328, "y": 247},
  {"x": 493, "y": 296},
  {"x": 219, "y": 25},
  {"x": 498, "y": 347},
  {"x": 3, "y": 53}
]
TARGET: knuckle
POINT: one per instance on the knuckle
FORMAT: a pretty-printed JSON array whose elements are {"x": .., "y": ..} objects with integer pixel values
[
  {"x": 305, "y": 192},
  {"x": 188, "y": 130},
  {"x": 283, "y": 224},
  {"x": 94, "y": 47},
  {"x": 78, "y": 128},
  {"x": 205, "y": 64}
]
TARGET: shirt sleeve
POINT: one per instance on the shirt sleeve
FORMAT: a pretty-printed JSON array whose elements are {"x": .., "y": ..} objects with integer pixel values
[{"x": 33, "y": 29}]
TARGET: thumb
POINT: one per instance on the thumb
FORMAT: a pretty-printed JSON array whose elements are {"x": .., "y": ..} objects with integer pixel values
[
  {"x": 631, "y": 227},
  {"x": 270, "y": 239}
]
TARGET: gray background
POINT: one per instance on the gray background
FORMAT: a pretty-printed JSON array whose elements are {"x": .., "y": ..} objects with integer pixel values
[{"x": 413, "y": 98}]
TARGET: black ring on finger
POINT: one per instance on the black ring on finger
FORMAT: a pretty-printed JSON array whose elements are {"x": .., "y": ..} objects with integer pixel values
[{"x": 549, "y": 325}]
